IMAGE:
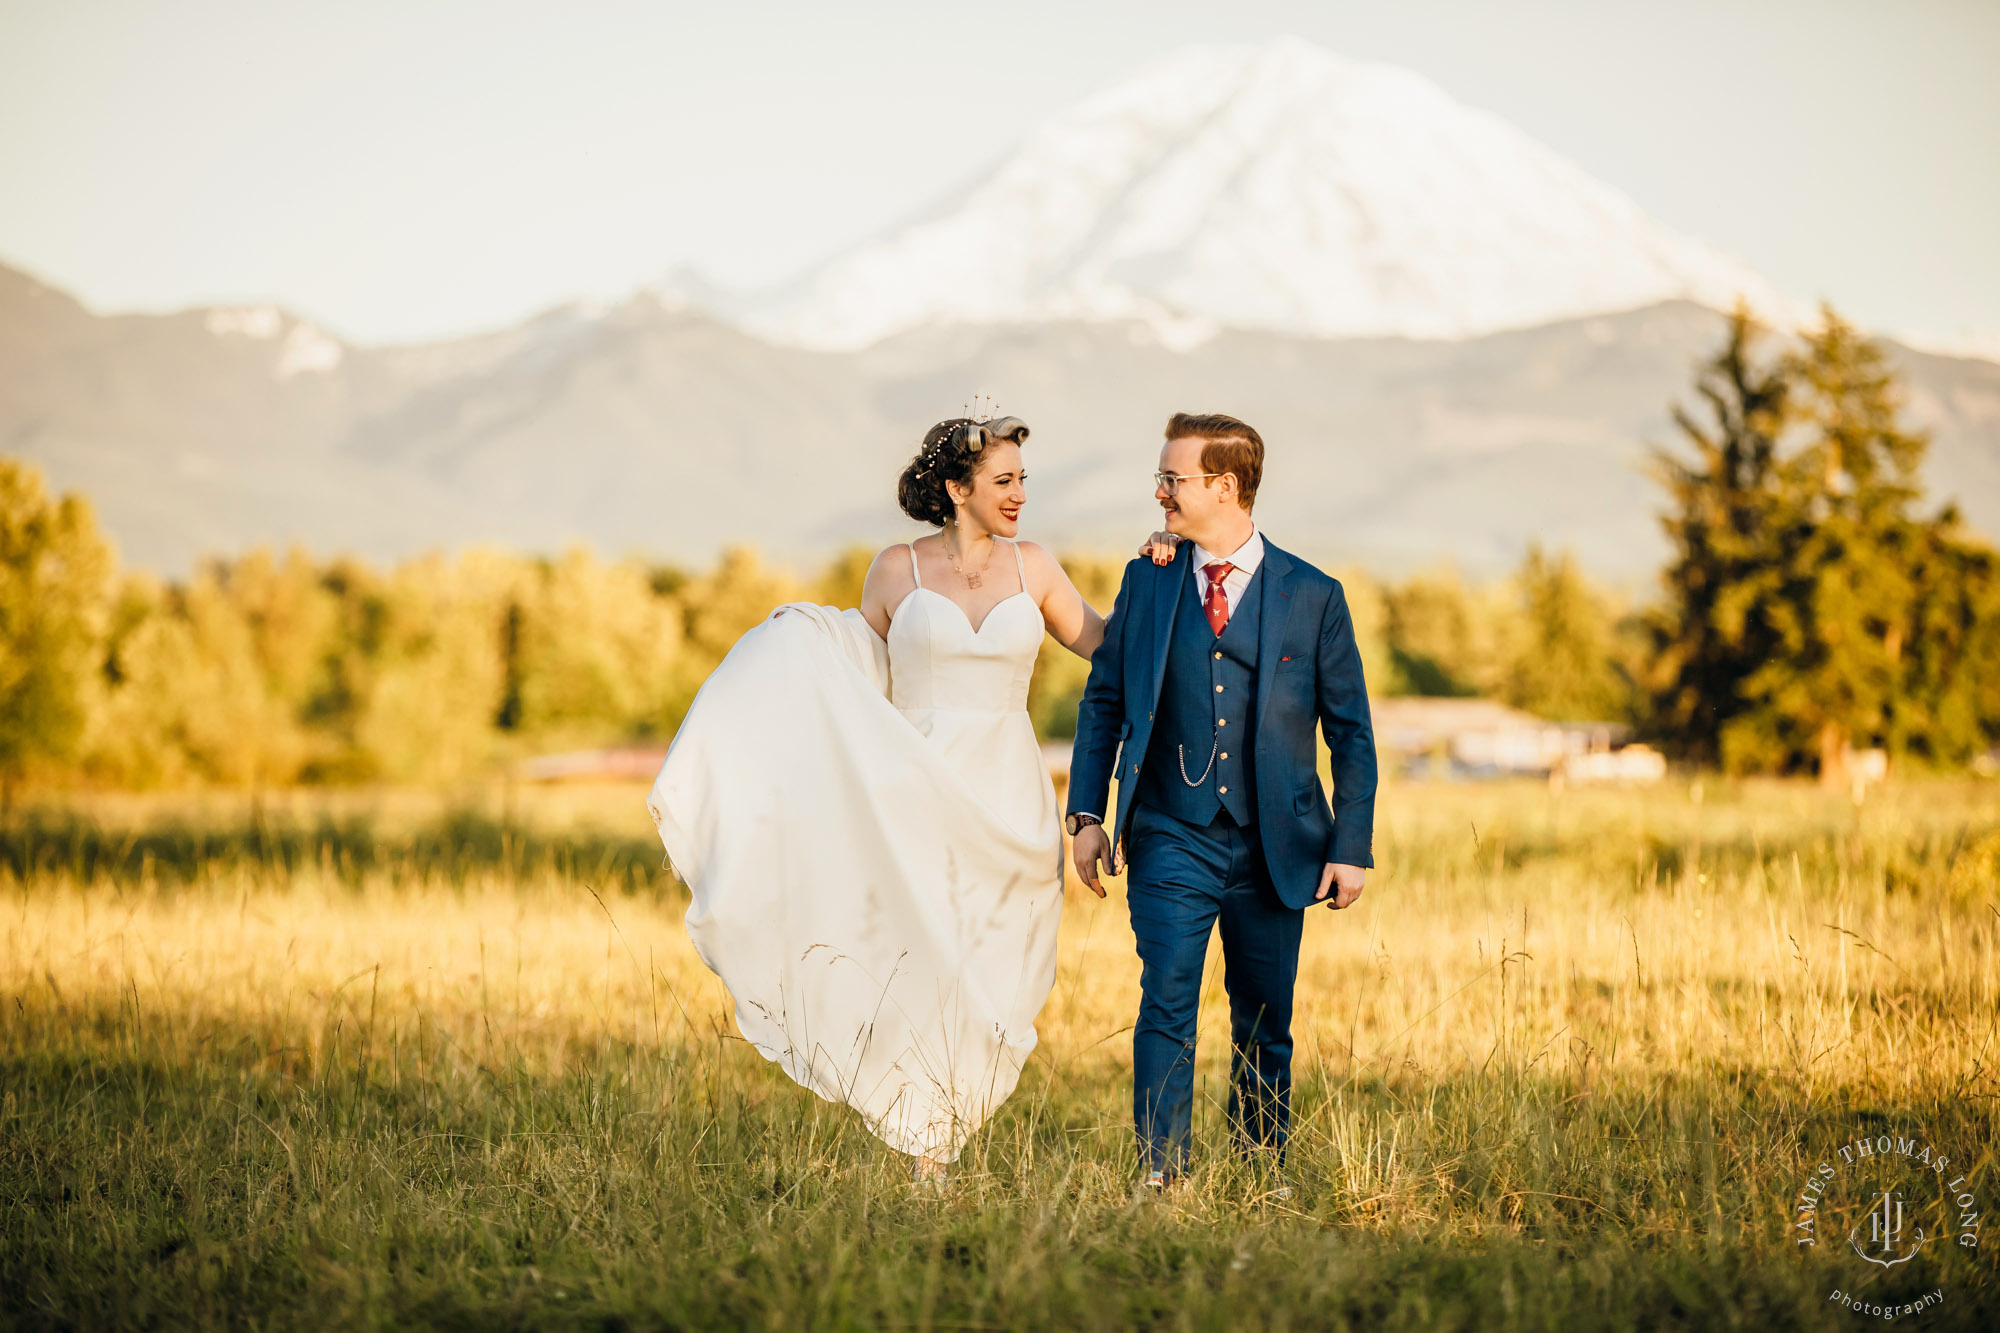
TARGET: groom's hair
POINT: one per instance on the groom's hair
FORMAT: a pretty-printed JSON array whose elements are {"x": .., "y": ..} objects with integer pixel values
[{"x": 1232, "y": 446}]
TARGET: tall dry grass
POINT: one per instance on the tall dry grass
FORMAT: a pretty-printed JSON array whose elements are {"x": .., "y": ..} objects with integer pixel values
[{"x": 372, "y": 1059}]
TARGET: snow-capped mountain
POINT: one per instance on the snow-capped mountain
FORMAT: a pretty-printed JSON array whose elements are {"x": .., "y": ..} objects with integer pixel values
[
  {"x": 1281, "y": 188},
  {"x": 1281, "y": 220},
  {"x": 296, "y": 346}
]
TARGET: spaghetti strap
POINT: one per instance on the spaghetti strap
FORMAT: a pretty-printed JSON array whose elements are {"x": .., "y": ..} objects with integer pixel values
[
  {"x": 1019, "y": 568},
  {"x": 915, "y": 573}
]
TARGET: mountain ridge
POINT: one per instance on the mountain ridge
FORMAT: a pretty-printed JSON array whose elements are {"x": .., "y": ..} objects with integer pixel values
[
  {"x": 671, "y": 433},
  {"x": 1455, "y": 340}
]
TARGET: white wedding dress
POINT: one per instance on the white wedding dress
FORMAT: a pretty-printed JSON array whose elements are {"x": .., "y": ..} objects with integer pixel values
[{"x": 870, "y": 834}]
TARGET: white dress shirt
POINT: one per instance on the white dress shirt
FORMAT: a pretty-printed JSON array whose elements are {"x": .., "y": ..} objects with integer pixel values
[{"x": 1245, "y": 558}]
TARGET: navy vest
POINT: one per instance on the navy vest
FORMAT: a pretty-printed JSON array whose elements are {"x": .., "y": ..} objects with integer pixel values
[{"x": 1208, "y": 704}]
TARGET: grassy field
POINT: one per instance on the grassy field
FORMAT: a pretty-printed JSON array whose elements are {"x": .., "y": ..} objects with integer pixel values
[{"x": 405, "y": 1060}]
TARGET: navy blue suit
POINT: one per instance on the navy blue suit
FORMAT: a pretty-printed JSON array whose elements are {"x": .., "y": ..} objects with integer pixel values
[{"x": 1240, "y": 841}]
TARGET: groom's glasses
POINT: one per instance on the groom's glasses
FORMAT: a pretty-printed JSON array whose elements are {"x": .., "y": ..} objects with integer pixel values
[{"x": 1170, "y": 482}]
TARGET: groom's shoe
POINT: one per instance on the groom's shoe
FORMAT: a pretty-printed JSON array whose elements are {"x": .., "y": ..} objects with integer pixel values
[{"x": 1158, "y": 1182}]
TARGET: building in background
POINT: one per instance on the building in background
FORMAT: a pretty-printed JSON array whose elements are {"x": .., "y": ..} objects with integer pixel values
[{"x": 1478, "y": 738}]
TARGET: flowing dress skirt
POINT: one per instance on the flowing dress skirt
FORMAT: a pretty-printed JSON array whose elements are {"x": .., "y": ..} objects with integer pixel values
[{"x": 881, "y": 902}]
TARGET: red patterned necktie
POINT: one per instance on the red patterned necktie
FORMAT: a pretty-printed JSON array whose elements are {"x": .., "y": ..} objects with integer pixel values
[{"x": 1217, "y": 601}]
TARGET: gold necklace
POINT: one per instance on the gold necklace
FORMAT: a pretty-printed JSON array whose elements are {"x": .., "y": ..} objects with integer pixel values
[{"x": 977, "y": 576}]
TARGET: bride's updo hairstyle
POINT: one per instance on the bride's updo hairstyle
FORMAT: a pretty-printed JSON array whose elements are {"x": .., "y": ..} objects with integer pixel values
[{"x": 953, "y": 451}]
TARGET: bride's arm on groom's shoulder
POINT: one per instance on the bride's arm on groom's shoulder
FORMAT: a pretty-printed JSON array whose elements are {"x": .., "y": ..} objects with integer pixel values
[
  {"x": 889, "y": 581},
  {"x": 1073, "y": 622}
]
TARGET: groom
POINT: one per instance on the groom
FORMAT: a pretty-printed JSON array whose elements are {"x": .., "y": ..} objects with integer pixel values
[{"x": 1202, "y": 701}]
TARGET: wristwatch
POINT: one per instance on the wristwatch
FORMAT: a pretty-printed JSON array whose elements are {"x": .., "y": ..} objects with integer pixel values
[{"x": 1076, "y": 823}]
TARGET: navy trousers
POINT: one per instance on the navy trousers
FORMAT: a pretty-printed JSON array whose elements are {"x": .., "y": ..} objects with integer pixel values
[{"x": 1182, "y": 880}]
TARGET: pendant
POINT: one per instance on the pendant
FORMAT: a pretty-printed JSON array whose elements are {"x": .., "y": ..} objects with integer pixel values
[{"x": 972, "y": 580}]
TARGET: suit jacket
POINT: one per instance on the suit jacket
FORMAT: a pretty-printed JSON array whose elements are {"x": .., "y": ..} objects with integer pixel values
[{"x": 1308, "y": 671}]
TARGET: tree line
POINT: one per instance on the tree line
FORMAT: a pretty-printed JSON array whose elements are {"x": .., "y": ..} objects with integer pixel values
[
  {"x": 1812, "y": 604},
  {"x": 1810, "y": 607}
]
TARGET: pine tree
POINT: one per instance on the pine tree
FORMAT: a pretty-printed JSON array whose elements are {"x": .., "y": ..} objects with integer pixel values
[
  {"x": 1811, "y": 609},
  {"x": 1844, "y": 557},
  {"x": 1947, "y": 710},
  {"x": 1709, "y": 635}
]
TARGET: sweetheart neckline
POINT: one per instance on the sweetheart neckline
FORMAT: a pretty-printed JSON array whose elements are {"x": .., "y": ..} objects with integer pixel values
[{"x": 977, "y": 630}]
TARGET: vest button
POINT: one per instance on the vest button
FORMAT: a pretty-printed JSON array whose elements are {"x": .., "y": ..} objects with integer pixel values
[
  {"x": 1225, "y": 754},
  {"x": 1218, "y": 657},
  {"x": 1222, "y": 722},
  {"x": 1218, "y": 689},
  {"x": 1223, "y": 790}
]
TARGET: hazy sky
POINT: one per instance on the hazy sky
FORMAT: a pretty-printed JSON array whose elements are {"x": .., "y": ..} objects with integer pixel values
[{"x": 400, "y": 169}]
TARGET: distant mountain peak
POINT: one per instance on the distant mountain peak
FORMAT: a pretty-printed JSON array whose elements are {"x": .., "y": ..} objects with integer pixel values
[
  {"x": 299, "y": 347},
  {"x": 1280, "y": 187}
]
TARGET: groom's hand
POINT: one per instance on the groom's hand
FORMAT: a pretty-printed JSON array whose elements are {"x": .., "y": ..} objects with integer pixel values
[
  {"x": 1343, "y": 881},
  {"x": 1090, "y": 846}
]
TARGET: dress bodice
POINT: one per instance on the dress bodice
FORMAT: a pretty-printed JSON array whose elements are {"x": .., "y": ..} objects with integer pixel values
[{"x": 937, "y": 661}]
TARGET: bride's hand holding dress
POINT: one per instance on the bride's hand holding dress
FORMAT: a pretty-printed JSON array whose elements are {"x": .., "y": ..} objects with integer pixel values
[{"x": 861, "y": 810}]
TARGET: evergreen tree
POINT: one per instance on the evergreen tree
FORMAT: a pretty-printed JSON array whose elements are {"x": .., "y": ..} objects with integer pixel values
[
  {"x": 1947, "y": 709},
  {"x": 1727, "y": 503},
  {"x": 1810, "y": 608},
  {"x": 1841, "y": 590}
]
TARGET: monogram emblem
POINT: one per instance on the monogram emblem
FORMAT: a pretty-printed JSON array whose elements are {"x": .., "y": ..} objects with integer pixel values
[{"x": 1890, "y": 1240}]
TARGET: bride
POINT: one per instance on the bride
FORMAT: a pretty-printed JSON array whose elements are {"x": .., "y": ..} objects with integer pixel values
[{"x": 859, "y": 804}]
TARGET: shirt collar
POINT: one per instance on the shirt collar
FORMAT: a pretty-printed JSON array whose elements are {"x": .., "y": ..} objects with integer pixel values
[{"x": 1246, "y": 557}]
